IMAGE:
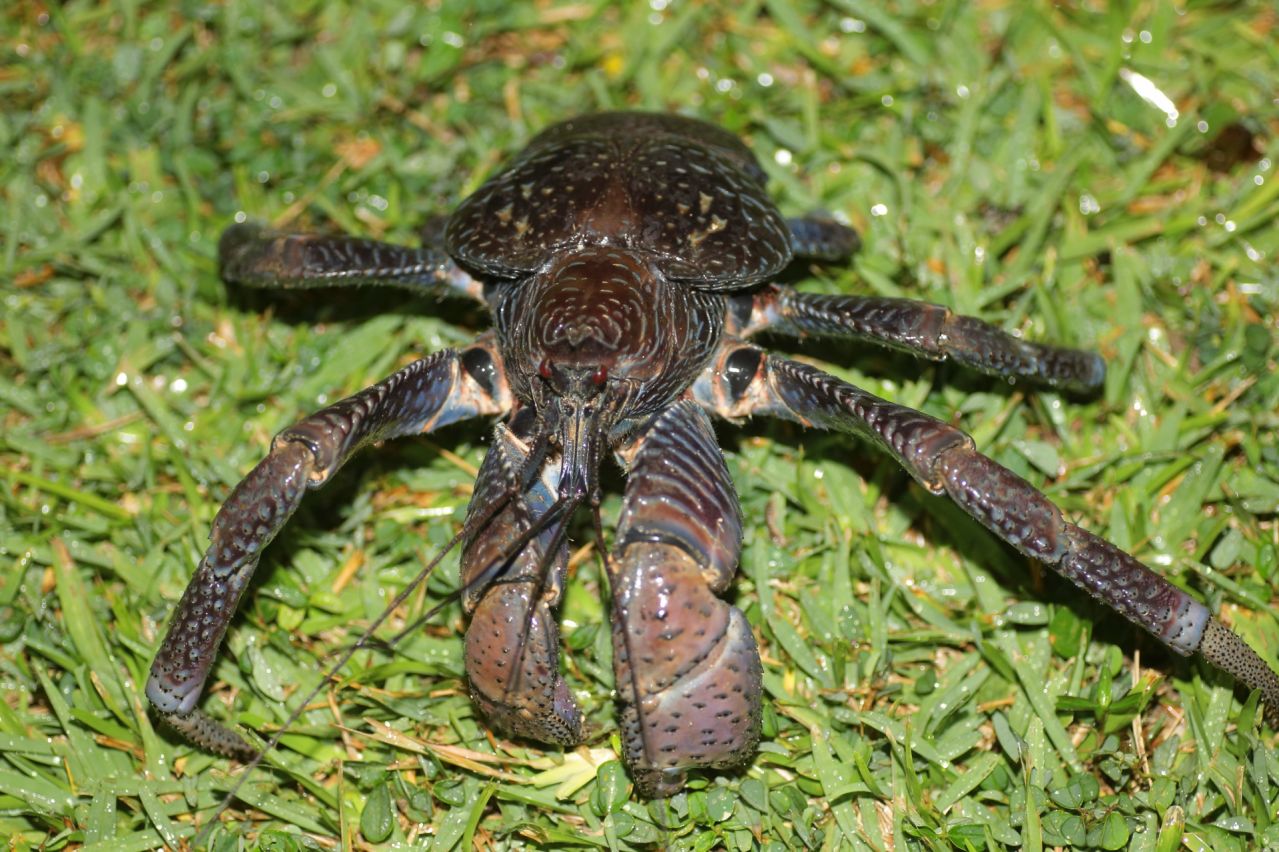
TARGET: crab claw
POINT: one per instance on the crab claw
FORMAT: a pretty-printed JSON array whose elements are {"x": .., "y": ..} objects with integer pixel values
[{"x": 513, "y": 568}]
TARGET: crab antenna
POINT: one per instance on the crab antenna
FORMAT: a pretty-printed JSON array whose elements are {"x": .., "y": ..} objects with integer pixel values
[
  {"x": 543, "y": 570},
  {"x": 491, "y": 573},
  {"x": 538, "y": 445},
  {"x": 468, "y": 529},
  {"x": 591, "y": 491}
]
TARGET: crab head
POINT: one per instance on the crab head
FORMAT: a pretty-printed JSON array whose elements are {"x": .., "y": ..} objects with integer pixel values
[{"x": 602, "y": 338}]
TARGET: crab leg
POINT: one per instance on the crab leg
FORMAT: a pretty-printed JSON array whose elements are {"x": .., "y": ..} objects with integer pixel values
[
  {"x": 687, "y": 672},
  {"x": 944, "y": 460},
  {"x": 260, "y": 257},
  {"x": 822, "y": 238},
  {"x": 512, "y": 642},
  {"x": 443, "y": 388},
  {"x": 929, "y": 331}
]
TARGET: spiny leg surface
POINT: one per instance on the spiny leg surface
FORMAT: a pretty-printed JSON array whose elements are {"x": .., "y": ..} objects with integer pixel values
[
  {"x": 257, "y": 256},
  {"x": 745, "y": 380},
  {"x": 443, "y": 388},
  {"x": 922, "y": 329},
  {"x": 819, "y": 237}
]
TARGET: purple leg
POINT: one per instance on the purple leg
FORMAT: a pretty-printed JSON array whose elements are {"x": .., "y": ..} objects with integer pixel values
[
  {"x": 512, "y": 642},
  {"x": 929, "y": 331},
  {"x": 443, "y": 388},
  {"x": 945, "y": 461},
  {"x": 260, "y": 257},
  {"x": 687, "y": 672}
]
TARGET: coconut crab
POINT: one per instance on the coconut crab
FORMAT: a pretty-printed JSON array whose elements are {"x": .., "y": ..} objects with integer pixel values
[{"x": 627, "y": 259}]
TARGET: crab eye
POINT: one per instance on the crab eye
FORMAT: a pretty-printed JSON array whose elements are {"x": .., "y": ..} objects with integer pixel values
[
  {"x": 480, "y": 367},
  {"x": 740, "y": 368},
  {"x": 544, "y": 369},
  {"x": 600, "y": 376}
]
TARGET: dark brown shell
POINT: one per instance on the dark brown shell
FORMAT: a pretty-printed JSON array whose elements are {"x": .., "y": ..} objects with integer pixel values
[{"x": 686, "y": 192}]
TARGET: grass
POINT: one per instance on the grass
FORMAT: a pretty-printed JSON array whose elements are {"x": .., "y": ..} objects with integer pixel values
[{"x": 927, "y": 688}]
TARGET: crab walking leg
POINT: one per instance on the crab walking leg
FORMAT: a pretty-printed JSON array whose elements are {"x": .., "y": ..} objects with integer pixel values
[
  {"x": 443, "y": 388},
  {"x": 822, "y": 238},
  {"x": 512, "y": 641},
  {"x": 687, "y": 672},
  {"x": 253, "y": 254},
  {"x": 929, "y": 331},
  {"x": 945, "y": 461}
]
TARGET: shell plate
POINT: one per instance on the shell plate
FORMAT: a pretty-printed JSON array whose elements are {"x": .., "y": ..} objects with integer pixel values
[{"x": 687, "y": 193}]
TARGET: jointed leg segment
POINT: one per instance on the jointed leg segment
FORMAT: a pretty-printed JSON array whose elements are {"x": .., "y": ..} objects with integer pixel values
[
  {"x": 928, "y": 331},
  {"x": 820, "y": 237},
  {"x": 260, "y": 257},
  {"x": 246, "y": 523},
  {"x": 440, "y": 389},
  {"x": 945, "y": 461}
]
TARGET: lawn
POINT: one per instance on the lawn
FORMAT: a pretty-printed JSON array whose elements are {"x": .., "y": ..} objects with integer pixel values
[{"x": 1098, "y": 175}]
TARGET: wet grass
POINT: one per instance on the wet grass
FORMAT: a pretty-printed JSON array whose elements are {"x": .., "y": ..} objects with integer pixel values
[{"x": 926, "y": 686}]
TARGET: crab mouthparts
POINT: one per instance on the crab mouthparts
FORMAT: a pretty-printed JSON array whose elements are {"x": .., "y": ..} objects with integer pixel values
[{"x": 578, "y": 434}]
